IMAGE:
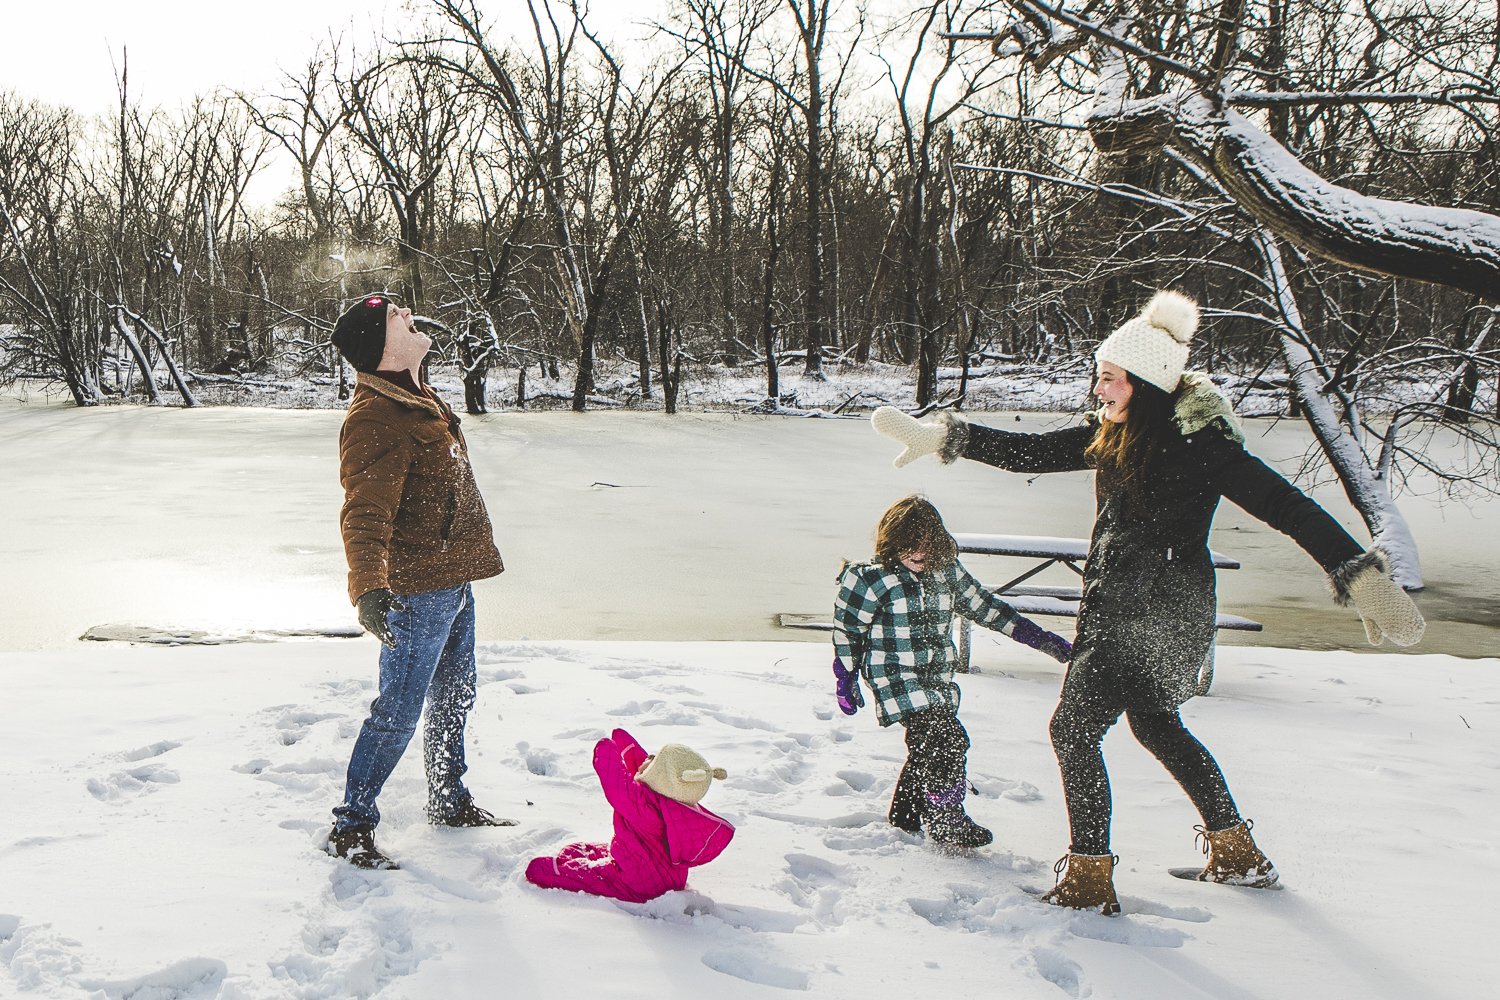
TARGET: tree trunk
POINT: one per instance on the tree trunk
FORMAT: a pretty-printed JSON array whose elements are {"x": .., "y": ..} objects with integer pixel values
[
  {"x": 128, "y": 336},
  {"x": 1368, "y": 491}
]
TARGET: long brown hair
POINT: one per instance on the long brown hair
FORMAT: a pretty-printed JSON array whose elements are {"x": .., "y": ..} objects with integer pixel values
[
  {"x": 1121, "y": 452},
  {"x": 913, "y": 524}
]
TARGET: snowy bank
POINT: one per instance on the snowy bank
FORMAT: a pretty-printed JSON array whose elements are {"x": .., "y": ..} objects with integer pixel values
[{"x": 165, "y": 807}]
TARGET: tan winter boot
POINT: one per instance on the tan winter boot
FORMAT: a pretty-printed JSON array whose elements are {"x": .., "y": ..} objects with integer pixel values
[
  {"x": 1088, "y": 885},
  {"x": 1234, "y": 859}
]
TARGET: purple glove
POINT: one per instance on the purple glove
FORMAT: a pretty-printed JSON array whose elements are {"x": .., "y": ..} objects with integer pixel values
[
  {"x": 846, "y": 688},
  {"x": 1029, "y": 633}
]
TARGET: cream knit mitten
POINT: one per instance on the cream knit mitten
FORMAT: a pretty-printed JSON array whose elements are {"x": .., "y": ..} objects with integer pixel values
[
  {"x": 920, "y": 439},
  {"x": 1385, "y": 609}
]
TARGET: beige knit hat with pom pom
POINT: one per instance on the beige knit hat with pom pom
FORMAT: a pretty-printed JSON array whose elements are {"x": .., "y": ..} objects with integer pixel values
[
  {"x": 679, "y": 773},
  {"x": 1154, "y": 345}
]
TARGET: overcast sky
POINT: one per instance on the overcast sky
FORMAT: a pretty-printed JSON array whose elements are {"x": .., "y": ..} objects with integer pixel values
[{"x": 64, "y": 52}]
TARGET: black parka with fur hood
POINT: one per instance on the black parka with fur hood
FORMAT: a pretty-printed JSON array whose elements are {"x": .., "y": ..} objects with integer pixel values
[{"x": 1147, "y": 617}]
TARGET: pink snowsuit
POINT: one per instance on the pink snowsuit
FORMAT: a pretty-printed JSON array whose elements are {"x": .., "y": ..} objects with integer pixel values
[{"x": 656, "y": 840}]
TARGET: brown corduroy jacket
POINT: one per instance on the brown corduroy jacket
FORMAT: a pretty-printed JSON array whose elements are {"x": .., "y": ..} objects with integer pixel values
[{"x": 413, "y": 519}]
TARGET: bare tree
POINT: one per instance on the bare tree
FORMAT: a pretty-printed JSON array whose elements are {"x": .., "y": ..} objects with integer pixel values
[
  {"x": 916, "y": 259},
  {"x": 44, "y": 254},
  {"x": 719, "y": 35},
  {"x": 408, "y": 117},
  {"x": 813, "y": 96},
  {"x": 541, "y": 122},
  {"x": 304, "y": 119}
]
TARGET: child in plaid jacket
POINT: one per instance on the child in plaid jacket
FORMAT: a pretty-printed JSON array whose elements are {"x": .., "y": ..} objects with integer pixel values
[{"x": 893, "y": 619}]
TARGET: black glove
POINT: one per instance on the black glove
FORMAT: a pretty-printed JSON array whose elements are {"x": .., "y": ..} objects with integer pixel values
[
  {"x": 1029, "y": 633},
  {"x": 374, "y": 614}
]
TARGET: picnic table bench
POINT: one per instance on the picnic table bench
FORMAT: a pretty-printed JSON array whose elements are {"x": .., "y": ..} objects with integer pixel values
[{"x": 1044, "y": 599}]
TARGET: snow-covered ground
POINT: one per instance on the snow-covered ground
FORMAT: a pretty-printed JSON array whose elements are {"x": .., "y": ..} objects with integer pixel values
[{"x": 164, "y": 809}]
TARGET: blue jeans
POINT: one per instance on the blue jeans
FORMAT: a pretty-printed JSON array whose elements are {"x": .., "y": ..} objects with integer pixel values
[{"x": 432, "y": 662}]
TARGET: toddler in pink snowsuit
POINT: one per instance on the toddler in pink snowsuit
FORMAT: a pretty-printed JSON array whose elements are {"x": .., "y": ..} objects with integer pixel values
[{"x": 660, "y": 829}]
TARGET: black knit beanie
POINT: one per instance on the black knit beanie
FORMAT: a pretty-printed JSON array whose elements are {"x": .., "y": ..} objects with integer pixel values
[{"x": 360, "y": 332}]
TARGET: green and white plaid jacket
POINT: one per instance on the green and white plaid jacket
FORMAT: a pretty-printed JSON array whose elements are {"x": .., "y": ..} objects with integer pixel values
[{"x": 895, "y": 627}]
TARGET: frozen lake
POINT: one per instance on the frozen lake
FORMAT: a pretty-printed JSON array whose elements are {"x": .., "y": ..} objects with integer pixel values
[{"x": 612, "y": 525}]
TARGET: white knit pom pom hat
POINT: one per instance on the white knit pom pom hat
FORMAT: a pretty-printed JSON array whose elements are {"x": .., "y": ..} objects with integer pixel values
[
  {"x": 1154, "y": 345},
  {"x": 679, "y": 773}
]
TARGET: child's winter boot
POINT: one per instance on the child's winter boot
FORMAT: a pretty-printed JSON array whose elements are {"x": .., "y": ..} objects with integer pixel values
[
  {"x": 946, "y": 822},
  {"x": 1234, "y": 859},
  {"x": 1089, "y": 883}
]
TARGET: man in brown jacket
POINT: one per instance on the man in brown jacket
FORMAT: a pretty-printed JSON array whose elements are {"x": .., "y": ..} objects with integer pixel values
[{"x": 416, "y": 534}]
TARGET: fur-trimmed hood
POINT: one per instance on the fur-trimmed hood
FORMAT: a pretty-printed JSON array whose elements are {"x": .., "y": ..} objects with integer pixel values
[{"x": 1201, "y": 405}]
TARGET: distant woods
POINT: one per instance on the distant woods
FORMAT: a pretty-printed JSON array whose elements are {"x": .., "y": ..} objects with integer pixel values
[{"x": 787, "y": 184}]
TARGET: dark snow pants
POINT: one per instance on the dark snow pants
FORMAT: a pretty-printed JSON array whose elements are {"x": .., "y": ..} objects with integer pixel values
[
  {"x": 1078, "y": 731},
  {"x": 937, "y": 751}
]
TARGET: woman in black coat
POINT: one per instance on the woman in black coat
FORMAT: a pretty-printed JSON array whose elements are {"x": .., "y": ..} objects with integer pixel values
[{"x": 1165, "y": 448}]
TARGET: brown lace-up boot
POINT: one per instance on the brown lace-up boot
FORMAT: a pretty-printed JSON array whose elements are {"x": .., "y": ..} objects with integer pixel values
[
  {"x": 1088, "y": 885},
  {"x": 1233, "y": 858}
]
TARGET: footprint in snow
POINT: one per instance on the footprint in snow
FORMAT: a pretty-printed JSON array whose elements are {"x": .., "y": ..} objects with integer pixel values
[
  {"x": 348, "y": 688},
  {"x": 150, "y": 750},
  {"x": 45, "y": 840},
  {"x": 634, "y": 708},
  {"x": 293, "y": 726},
  {"x": 874, "y": 836},
  {"x": 191, "y": 977},
  {"x": 686, "y": 904},
  {"x": 1005, "y": 788},
  {"x": 1190, "y": 914},
  {"x": 655, "y": 713},
  {"x": 37, "y": 958},
  {"x": 1137, "y": 928},
  {"x": 678, "y": 689},
  {"x": 742, "y": 721},
  {"x": 742, "y": 964},
  {"x": 542, "y": 763},
  {"x": 131, "y": 782},
  {"x": 853, "y": 781},
  {"x": 351, "y": 886},
  {"x": 965, "y": 906},
  {"x": 777, "y": 775},
  {"x": 523, "y": 652},
  {"x": 361, "y": 959},
  {"x": 322, "y": 939},
  {"x": 310, "y": 776},
  {"x": 591, "y": 734},
  {"x": 815, "y": 885},
  {"x": 1058, "y": 969}
]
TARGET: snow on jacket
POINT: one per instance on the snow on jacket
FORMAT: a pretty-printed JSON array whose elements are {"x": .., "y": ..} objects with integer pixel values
[
  {"x": 656, "y": 839},
  {"x": 1146, "y": 620},
  {"x": 413, "y": 520},
  {"x": 896, "y": 626}
]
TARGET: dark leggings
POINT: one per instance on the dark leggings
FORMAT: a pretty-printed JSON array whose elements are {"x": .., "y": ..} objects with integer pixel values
[
  {"x": 1078, "y": 731},
  {"x": 937, "y": 751}
]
